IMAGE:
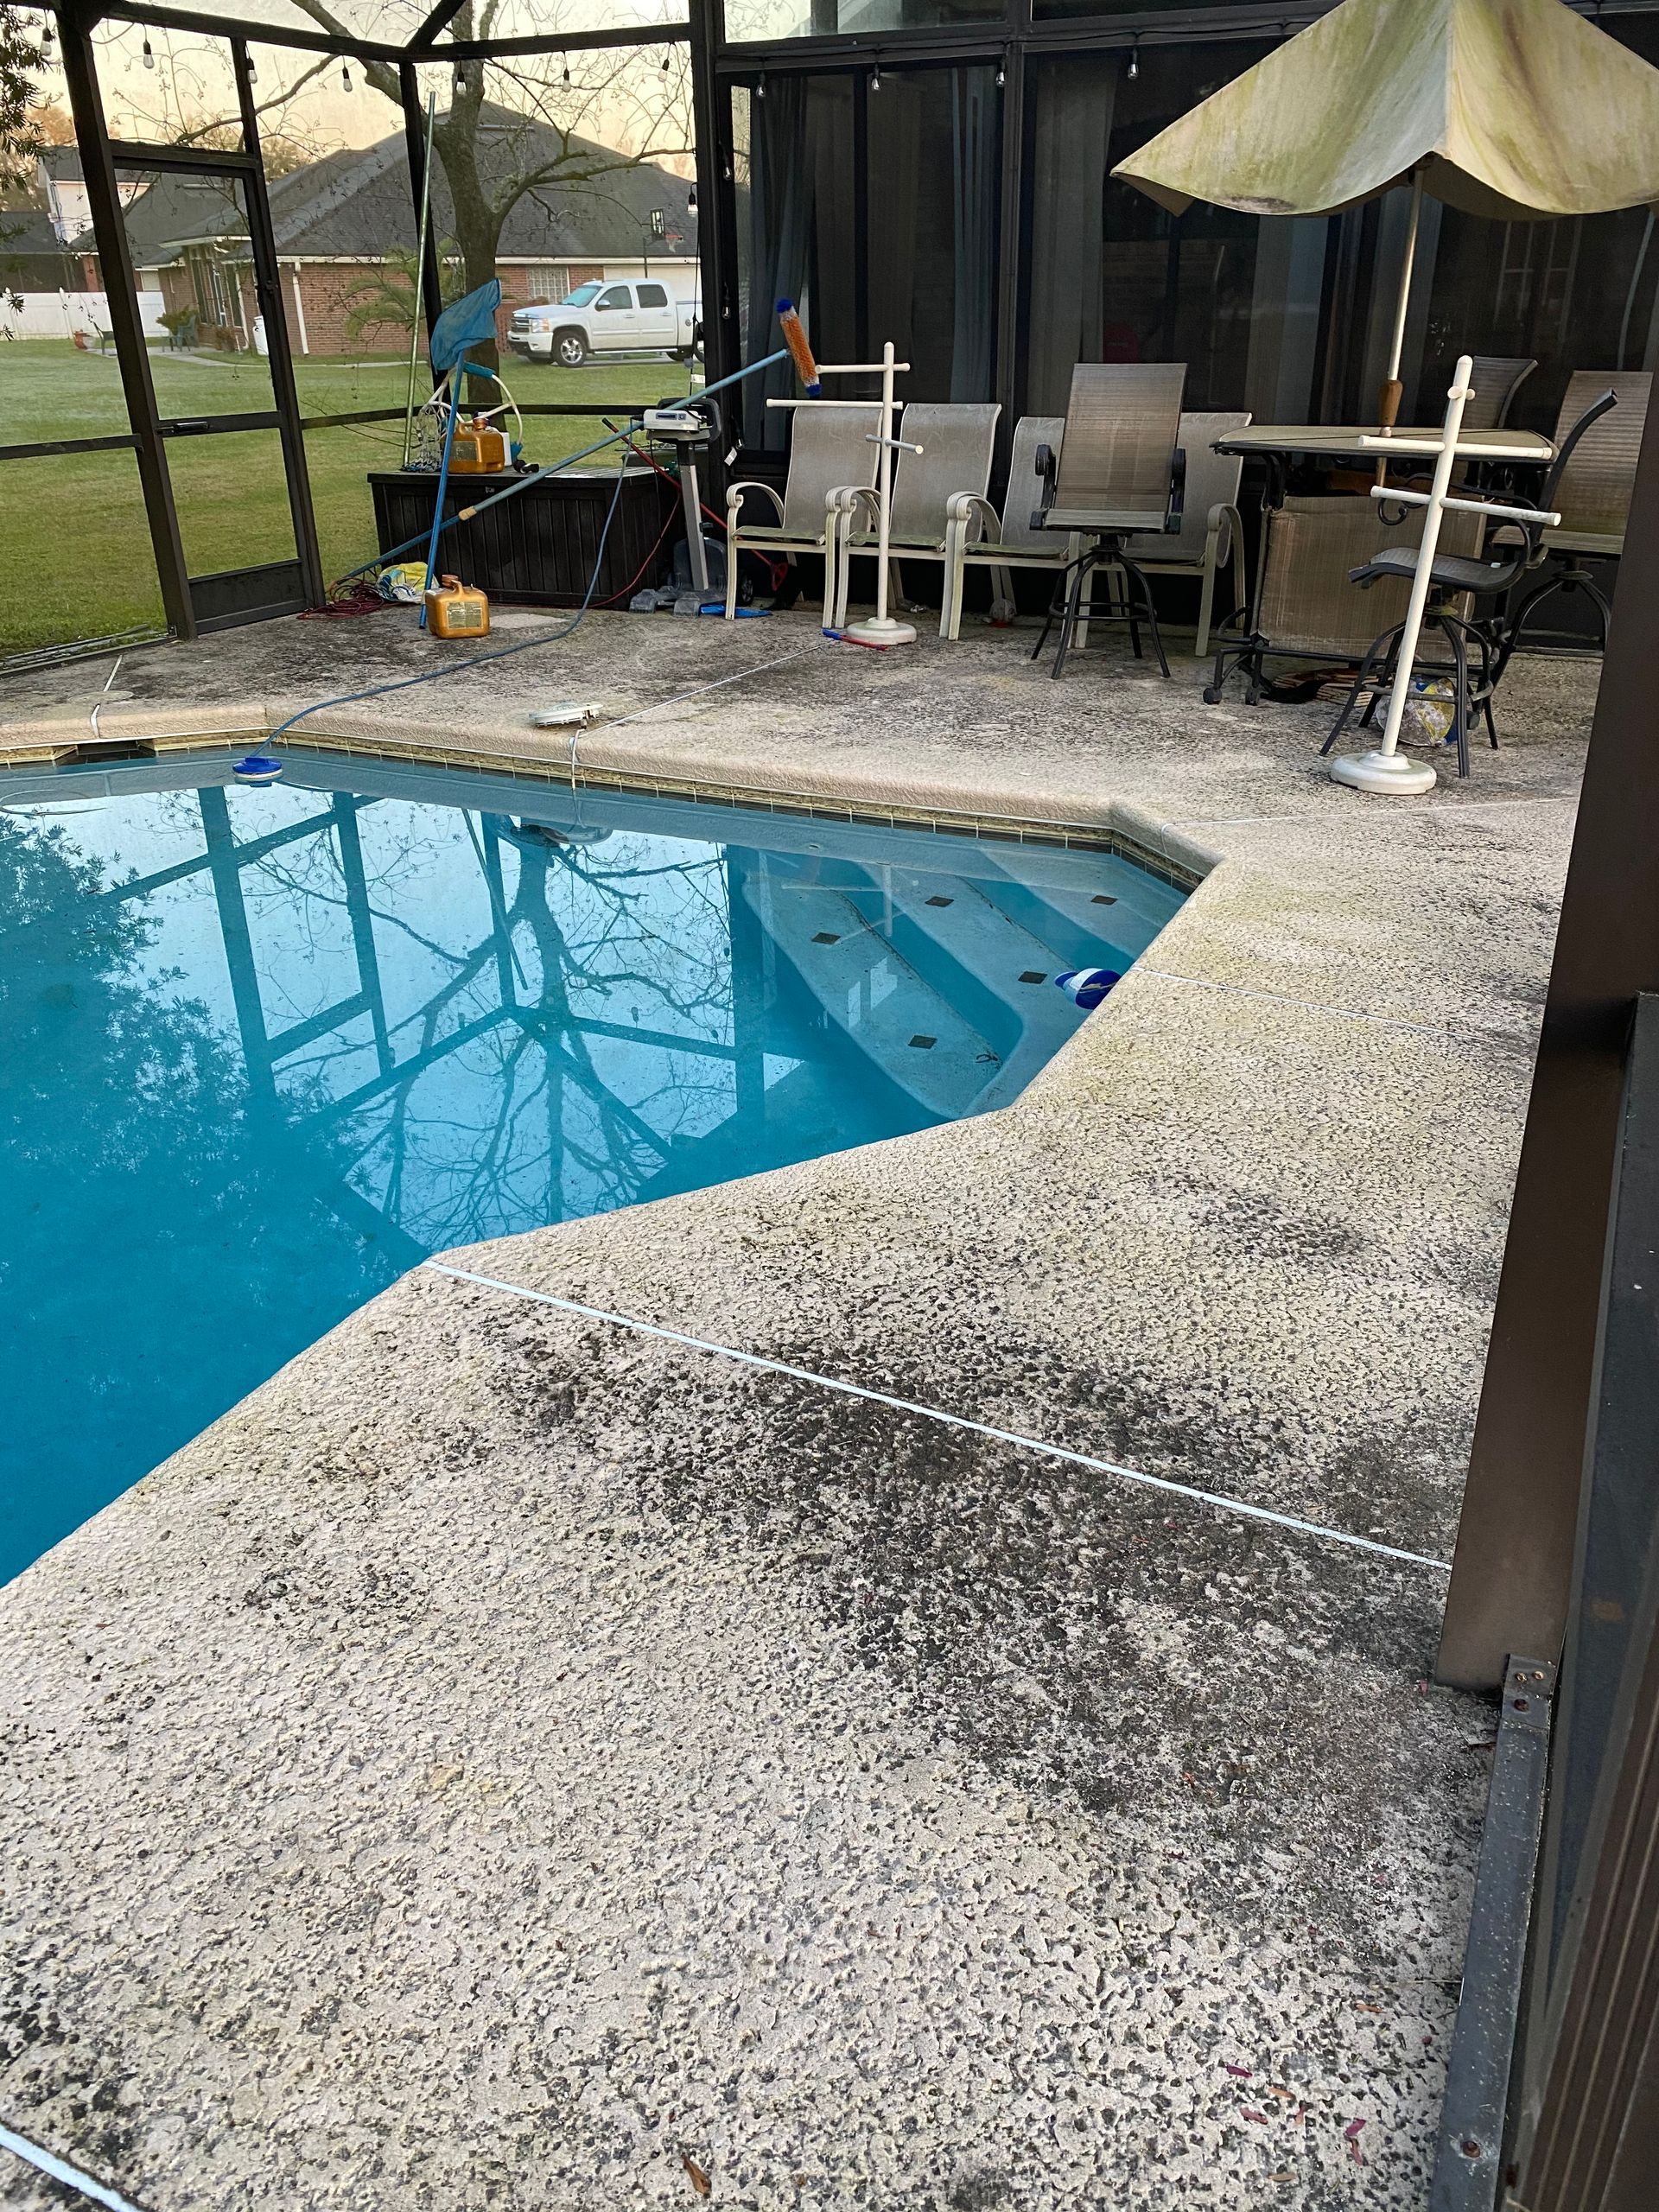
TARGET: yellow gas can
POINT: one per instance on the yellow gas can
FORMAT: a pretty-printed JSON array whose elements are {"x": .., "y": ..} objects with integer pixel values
[{"x": 455, "y": 610}]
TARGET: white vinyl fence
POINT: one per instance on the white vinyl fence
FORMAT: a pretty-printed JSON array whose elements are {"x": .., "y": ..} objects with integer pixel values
[{"x": 60, "y": 314}]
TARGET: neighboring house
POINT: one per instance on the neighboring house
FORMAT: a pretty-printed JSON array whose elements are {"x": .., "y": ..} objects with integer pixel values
[
  {"x": 341, "y": 221},
  {"x": 68, "y": 209}
]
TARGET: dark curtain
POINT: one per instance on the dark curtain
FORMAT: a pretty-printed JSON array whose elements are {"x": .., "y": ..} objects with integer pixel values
[
  {"x": 781, "y": 183},
  {"x": 975, "y": 116}
]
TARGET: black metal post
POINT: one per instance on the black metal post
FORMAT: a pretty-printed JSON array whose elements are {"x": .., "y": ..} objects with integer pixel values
[
  {"x": 268, "y": 292},
  {"x": 711, "y": 125},
  {"x": 115, "y": 263},
  {"x": 431, "y": 282},
  {"x": 1512, "y": 1565}
]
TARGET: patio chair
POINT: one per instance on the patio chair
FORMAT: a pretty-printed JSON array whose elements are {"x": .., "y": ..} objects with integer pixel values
[
  {"x": 1118, "y": 475},
  {"x": 1211, "y": 536},
  {"x": 956, "y": 441},
  {"x": 977, "y": 537},
  {"x": 830, "y": 456},
  {"x": 1496, "y": 379},
  {"x": 1457, "y": 584},
  {"x": 1593, "y": 496},
  {"x": 1306, "y": 611}
]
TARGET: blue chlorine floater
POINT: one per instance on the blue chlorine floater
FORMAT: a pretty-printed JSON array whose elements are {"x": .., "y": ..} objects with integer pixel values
[
  {"x": 256, "y": 768},
  {"x": 1087, "y": 986}
]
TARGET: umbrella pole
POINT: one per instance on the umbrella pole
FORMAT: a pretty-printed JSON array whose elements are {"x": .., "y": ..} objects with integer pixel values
[
  {"x": 1387, "y": 406},
  {"x": 1386, "y": 770}
]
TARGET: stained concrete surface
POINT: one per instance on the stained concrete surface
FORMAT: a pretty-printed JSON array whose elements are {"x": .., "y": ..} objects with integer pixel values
[{"x": 512, "y": 1759}]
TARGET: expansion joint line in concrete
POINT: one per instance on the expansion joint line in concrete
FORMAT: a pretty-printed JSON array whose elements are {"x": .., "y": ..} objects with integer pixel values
[
  {"x": 1188, "y": 1490},
  {"x": 48, "y": 2162}
]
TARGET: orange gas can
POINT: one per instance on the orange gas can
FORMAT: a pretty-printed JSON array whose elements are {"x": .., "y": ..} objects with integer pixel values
[
  {"x": 477, "y": 449},
  {"x": 455, "y": 610}
]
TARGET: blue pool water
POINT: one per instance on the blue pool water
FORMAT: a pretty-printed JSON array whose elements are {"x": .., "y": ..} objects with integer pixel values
[{"x": 261, "y": 1050}]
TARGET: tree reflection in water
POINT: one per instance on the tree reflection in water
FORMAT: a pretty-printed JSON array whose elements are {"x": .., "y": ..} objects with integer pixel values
[{"x": 259, "y": 1053}]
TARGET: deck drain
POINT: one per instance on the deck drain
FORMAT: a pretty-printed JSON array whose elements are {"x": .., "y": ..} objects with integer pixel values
[
  {"x": 1034, "y": 976},
  {"x": 1102, "y": 898},
  {"x": 827, "y": 937},
  {"x": 938, "y": 901},
  {"x": 924, "y": 1043}
]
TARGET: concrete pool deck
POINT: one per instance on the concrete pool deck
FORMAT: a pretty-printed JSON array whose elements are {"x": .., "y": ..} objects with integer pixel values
[{"x": 513, "y": 1758}]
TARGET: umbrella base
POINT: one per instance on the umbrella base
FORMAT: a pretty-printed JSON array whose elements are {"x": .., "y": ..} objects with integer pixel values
[
  {"x": 1391, "y": 773},
  {"x": 876, "y": 630}
]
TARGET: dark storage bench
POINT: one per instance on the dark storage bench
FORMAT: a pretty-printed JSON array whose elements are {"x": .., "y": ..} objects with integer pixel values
[{"x": 538, "y": 547}]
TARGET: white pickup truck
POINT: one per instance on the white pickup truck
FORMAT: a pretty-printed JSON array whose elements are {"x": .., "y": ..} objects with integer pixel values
[{"x": 639, "y": 316}]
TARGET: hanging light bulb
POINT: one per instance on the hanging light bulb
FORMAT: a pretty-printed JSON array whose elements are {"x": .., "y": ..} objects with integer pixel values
[
  {"x": 875, "y": 78},
  {"x": 344, "y": 80},
  {"x": 664, "y": 62},
  {"x": 761, "y": 88},
  {"x": 253, "y": 73},
  {"x": 150, "y": 58},
  {"x": 1001, "y": 74},
  {"x": 1134, "y": 69},
  {"x": 567, "y": 69}
]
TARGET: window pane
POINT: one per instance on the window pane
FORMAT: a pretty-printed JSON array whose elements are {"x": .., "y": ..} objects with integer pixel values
[
  {"x": 1115, "y": 278},
  {"x": 933, "y": 138},
  {"x": 232, "y": 497},
  {"x": 801, "y": 224},
  {"x": 78, "y": 561},
  {"x": 769, "y": 19}
]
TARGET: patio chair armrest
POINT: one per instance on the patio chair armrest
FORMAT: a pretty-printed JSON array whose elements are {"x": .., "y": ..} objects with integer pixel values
[
  {"x": 964, "y": 507},
  {"x": 1225, "y": 531},
  {"x": 1047, "y": 467},
  {"x": 848, "y": 499},
  {"x": 735, "y": 499}
]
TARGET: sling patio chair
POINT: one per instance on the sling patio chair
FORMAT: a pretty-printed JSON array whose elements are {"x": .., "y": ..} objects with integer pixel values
[
  {"x": 1496, "y": 380},
  {"x": 1456, "y": 585},
  {"x": 977, "y": 537},
  {"x": 1118, "y": 475},
  {"x": 1591, "y": 493},
  {"x": 953, "y": 443},
  {"x": 1211, "y": 536},
  {"x": 831, "y": 457}
]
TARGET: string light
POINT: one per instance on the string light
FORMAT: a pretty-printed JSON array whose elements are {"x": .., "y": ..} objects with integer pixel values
[
  {"x": 1134, "y": 69},
  {"x": 253, "y": 73},
  {"x": 344, "y": 80},
  {"x": 1001, "y": 74},
  {"x": 664, "y": 62},
  {"x": 761, "y": 88},
  {"x": 567, "y": 69},
  {"x": 875, "y": 78},
  {"x": 150, "y": 58}
]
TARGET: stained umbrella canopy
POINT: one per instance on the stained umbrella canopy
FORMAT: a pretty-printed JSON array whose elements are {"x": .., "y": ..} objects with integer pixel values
[{"x": 1509, "y": 108}]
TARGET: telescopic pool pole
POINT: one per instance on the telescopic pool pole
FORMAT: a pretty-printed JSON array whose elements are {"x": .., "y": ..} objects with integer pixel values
[{"x": 535, "y": 475}]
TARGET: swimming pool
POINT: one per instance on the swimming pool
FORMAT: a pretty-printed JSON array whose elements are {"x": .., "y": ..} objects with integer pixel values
[{"x": 264, "y": 1049}]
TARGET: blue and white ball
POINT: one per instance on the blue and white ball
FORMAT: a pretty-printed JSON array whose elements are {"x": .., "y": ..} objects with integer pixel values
[{"x": 1087, "y": 986}]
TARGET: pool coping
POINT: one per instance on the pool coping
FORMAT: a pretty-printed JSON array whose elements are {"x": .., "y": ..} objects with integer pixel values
[{"x": 1119, "y": 826}]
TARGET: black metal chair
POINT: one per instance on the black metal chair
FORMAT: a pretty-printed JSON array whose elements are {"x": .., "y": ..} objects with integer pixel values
[
  {"x": 1455, "y": 577},
  {"x": 1118, "y": 475}
]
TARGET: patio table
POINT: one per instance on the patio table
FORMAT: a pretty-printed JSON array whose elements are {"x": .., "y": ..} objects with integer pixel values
[{"x": 1334, "y": 444}]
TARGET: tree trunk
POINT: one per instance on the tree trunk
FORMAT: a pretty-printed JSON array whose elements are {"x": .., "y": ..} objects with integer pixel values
[{"x": 477, "y": 220}]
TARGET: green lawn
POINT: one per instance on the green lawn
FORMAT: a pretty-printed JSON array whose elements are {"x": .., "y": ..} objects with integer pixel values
[{"x": 76, "y": 530}]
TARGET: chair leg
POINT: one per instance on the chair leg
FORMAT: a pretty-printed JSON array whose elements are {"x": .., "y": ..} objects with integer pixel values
[
  {"x": 732, "y": 545},
  {"x": 1055, "y": 605},
  {"x": 1081, "y": 576},
  {"x": 1206, "y": 605},
  {"x": 1459, "y": 692},
  {"x": 1138, "y": 578}
]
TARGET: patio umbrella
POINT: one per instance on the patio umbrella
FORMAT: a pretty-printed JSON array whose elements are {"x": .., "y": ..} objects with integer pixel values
[{"x": 1517, "y": 109}]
